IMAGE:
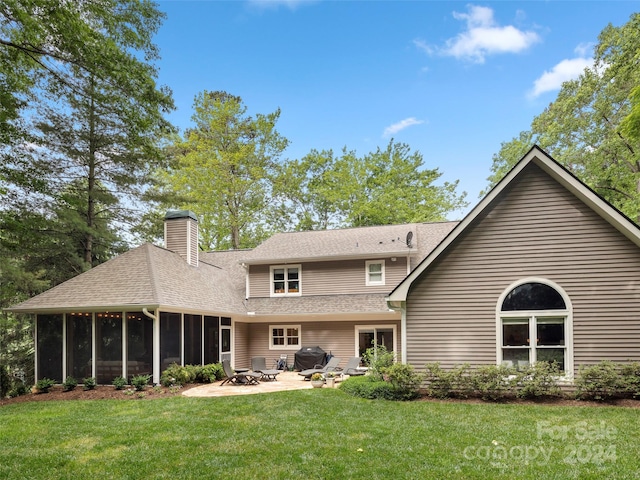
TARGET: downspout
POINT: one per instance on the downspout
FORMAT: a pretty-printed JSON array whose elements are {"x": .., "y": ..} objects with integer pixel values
[{"x": 156, "y": 345}]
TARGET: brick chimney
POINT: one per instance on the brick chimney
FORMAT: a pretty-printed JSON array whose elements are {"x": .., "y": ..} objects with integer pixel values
[{"x": 181, "y": 234}]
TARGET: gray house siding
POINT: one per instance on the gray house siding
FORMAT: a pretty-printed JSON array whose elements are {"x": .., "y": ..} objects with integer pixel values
[
  {"x": 337, "y": 338},
  {"x": 536, "y": 228},
  {"x": 332, "y": 277}
]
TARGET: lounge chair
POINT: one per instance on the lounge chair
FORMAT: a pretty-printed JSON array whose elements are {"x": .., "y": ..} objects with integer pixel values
[
  {"x": 351, "y": 368},
  {"x": 236, "y": 378},
  {"x": 331, "y": 366},
  {"x": 259, "y": 364}
]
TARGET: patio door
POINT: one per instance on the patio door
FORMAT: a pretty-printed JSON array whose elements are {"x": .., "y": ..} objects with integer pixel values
[{"x": 372, "y": 336}]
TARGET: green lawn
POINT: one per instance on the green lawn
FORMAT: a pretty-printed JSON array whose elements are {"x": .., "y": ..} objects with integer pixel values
[{"x": 318, "y": 433}]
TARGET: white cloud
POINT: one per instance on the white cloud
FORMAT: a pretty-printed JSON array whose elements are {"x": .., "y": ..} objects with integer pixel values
[
  {"x": 401, "y": 125},
  {"x": 562, "y": 72},
  {"x": 483, "y": 36}
]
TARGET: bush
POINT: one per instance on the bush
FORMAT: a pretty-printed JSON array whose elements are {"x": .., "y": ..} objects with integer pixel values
[
  {"x": 372, "y": 388},
  {"x": 89, "y": 383},
  {"x": 630, "y": 373},
  {"x": 119, "y": 383},
  {"x": 18, "y": 388},
  {"x": 367, "y": 386},
  {"x": 44, "y": 385},
  {"x": 69, "y": 384},
  {"x": 177, "y": 375},
  {"x": 378, "y": 359},
  {"x": 494, "y": 382},
  {"x": 140, "y": 382},
  {"x": 5, "y": 381},
  {"x": 539, "y": 380},
  {"x": 600, "y": 382},
  {"x": 441, "y": 383},
  {"x": 405, "y": 380},
  {"x": 211, "y": 373}
]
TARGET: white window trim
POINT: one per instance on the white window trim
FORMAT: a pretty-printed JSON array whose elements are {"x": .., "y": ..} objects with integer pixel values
[
  {"x": 368, "y": 281},
  {"x": 393, "y": 327},
  {"x": 285, "y": 294},
  {"x": 533, "y": 315},
  {"x": 285, "y": 346}
]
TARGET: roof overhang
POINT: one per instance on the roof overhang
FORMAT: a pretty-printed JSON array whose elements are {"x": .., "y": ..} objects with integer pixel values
[
  {"x": 541, "y": 159},
  {"x": 366, "y": 255}
]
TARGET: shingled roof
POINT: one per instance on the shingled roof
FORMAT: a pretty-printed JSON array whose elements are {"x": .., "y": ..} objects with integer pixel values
[
  {"x": 146, "y": 276},
  {"x": 385, "y": 240},
  {"x": 154, "y": 277}
]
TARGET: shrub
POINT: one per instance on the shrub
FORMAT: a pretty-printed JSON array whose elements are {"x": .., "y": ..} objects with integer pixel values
[
  {"x": 367, "y": 386},
  {"x": 600, "y": 382},
  {"x": 119, "y": 383},
  {"x": 89, "y": 383},
  {"x": 378, "y": 359},
  {"x": 211, "y": 373},
  {"x": 494, "y": 382},
  {"x": 370, "y": 387},
  {"x": 18, "y": 388},
  {"x": 176, "y": 375},
  {"x": 405, "y": 380},
  {"x": 69, "y": 384},
  {"x": 44, "y": 384},
  {"x": 630, "y": 373},
  {"x": 5, "y": 381},
  {"x": 539, "y": 380},
  {"x": 139, "y": 382}
]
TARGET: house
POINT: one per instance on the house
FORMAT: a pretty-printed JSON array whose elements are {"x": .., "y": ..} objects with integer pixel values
[
  {"x": 541, "y": 269},
  {"x": 152, "y": 306}
]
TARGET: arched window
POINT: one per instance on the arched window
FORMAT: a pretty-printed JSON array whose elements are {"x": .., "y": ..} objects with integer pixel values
[{"x": 534, "y": 324}]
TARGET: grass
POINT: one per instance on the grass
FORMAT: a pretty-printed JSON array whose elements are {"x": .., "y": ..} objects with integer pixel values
[{"x": 313, "y": 434}]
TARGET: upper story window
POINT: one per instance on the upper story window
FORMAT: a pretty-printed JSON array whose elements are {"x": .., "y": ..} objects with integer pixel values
[
  {"x": 285, "y": 280},
  {"x": 374, "y": 272}
]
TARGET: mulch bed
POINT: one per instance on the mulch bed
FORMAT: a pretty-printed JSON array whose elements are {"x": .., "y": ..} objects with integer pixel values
[{"x": 101, "y": 392}]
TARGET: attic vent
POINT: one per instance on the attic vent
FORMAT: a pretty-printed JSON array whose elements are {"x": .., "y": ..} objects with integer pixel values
[{"x": 181, "y": 234}]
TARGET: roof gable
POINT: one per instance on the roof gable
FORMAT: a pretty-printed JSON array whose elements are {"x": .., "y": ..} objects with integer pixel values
[{"x": 557, "y": 172}]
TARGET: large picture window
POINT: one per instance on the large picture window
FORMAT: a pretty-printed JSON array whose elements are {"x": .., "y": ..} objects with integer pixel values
[
  {"x": 285, "y": 337},
  {"x": 534, "y": 325},
  {"x": 286, "y": 280}
]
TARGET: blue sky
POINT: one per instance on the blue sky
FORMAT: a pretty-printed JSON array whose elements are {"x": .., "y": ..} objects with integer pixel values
[{"x": 453, "y": 80}]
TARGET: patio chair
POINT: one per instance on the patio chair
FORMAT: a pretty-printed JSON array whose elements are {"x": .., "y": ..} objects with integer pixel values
[
  {"x": 331, "y": 366},
  {"x": 236, "y": 378},
  {"x": 351, "y": 368},
  {"x": 259, "y": 364}
]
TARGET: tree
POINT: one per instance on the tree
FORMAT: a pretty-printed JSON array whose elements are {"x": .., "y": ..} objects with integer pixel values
[
  {"x": 384, "y": 187},
  {"x": 45, "y": 43},
  {"x": 94, "y": 119},
  {"x": 224, "y": 169},
  {"x": 588, "y": 127},
  {"x": 391, "y": 186}
]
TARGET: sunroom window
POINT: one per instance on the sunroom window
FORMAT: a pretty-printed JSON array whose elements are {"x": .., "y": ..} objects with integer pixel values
[
  {"x": 534, "y": 327},
  {"x": 285, "y": 280}
]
